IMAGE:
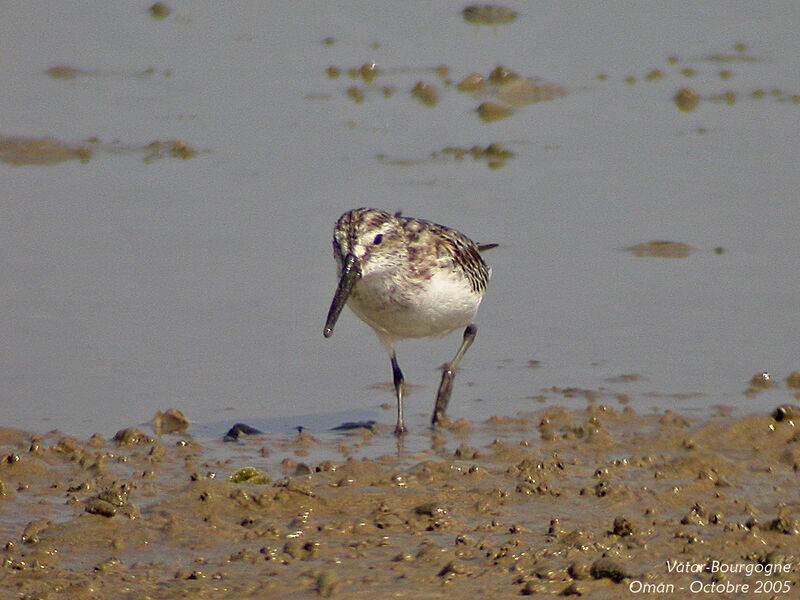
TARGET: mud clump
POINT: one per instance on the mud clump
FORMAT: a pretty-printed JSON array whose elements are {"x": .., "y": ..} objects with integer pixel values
[
  {"x": 369, "y": 71},
  {"x": 159, "y": 10},
  {"x": 40, "y": 151},
  {"x": 495, "y": 155},
  {"x": 493, "y": 111},
  {"x": 425, "y": 93},
  {"x": 793, "y": 380},
  {"x": 172, "y": 148},
  {"x": 64, "y": 72},
  {"x": 503, "y": 91},
  {"x": 608, "y": 500},
  {"x": 686, "y": 99},
  {"x": 605, "y": 568},
  {"x": 488, "y": 14},
  {"x": 171, "y": 421},
  {"x": 355, "y": 93},
  {"x": 758, "y": 383},
  {"x": 661, "y": 249},
  {"x": 472, "y": 84},
  {"x": 250, "y": 475},
  {"x": 45, "y": 151}
]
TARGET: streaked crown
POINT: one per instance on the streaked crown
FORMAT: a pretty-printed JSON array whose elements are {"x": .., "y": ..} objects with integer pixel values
[{"x": 381, "y": 241}]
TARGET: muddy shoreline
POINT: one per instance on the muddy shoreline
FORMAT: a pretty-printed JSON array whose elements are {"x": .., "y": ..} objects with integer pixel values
[{"x": 590, "y": 502}]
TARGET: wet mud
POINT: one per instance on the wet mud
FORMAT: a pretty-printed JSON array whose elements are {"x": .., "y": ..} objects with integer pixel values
[
  {"x": 47, "y": 151},
  {"x": 595, "y": 503},
  {"x": 661, "y": 249}
]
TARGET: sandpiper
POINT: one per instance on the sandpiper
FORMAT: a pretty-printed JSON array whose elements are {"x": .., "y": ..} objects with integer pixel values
[{"x": 408, "y": 278}]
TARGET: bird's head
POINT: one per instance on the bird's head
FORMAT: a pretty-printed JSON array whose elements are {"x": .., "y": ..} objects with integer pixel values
[{"x": 365, "y": 241}]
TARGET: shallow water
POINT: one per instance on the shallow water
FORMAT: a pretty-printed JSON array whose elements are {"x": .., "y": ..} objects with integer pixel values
[{"x": 133, "y": 283}]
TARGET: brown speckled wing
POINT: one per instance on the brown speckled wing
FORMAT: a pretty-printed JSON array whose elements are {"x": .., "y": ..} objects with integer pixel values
[{"x": 466, "y": 256}]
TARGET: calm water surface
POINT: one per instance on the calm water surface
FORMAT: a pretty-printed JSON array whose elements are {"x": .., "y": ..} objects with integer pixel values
[{"x": 129, "y": 286}]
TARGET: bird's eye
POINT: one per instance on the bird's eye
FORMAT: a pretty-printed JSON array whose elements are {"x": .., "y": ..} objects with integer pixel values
[{"x": 378, "y": 239}]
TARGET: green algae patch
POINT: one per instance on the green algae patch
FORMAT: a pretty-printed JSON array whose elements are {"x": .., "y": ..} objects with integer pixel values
[
  {"x": 488, "y": 14},
  {"x": 250, "y": 475}
]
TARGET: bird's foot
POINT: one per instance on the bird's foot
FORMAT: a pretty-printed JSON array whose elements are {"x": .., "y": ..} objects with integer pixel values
[{"x": 443, "y": 396}]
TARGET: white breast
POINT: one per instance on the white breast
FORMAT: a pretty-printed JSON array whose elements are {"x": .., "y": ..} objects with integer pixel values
[{"x": 398, "y": 310}]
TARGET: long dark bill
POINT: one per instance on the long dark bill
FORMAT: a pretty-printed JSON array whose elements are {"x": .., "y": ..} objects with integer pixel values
[{"x": 351, "y": 273}]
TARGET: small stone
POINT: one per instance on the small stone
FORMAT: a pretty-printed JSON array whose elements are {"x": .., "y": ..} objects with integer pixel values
[
  {"x": 785, "y": 412},
  {"x": 238, "y": 430},
  {"x": 96, "y": 506}
]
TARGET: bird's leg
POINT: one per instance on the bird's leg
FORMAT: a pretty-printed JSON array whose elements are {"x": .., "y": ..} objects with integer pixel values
[
  {"x": 449, "y": 374},
  {"x": 400, "y": 390}
]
